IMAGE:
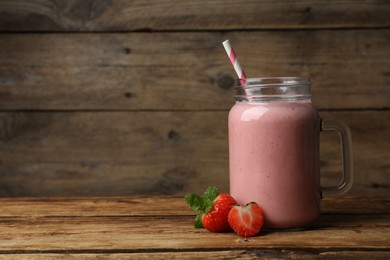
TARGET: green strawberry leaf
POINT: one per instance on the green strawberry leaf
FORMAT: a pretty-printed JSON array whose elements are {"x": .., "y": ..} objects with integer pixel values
[
  {"x": 198, "y": 220},
  {"x": 194, "y": 201},
  {"x": 207, "y": 204},
  {"x": 211, "y": 193},
  {"x": 201, "y": 204}
]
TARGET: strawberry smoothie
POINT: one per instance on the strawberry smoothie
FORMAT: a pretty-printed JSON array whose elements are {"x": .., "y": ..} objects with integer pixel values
[{"x": 274, "y": 159}]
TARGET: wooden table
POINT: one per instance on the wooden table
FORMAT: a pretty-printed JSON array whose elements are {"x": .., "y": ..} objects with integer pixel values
[{"x": 161, "y": 227}]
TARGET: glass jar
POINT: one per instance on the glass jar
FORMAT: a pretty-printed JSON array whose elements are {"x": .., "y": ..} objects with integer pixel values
[{"x": 274, "y": 153}]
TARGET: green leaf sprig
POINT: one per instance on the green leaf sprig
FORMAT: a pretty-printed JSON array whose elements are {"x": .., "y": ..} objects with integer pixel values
[{"x": 201, "y": 204}]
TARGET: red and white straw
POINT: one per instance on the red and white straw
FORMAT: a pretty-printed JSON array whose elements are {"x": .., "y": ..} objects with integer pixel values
[{"x": 233, "y": 59}]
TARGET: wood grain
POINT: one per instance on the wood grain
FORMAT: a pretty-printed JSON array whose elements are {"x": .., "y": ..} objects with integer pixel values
[
  {"x": 121, "y": 15},
  {"x": 120, "y": 234},
  {"x": 188, "y": 71},
  {"x": 37, "y": 232},
  {"x": 156, "y": 206},
  {"x": 118, "y": 97},
  {"x": 121, "y": 153},
  {"x": 220, "y": 254}
]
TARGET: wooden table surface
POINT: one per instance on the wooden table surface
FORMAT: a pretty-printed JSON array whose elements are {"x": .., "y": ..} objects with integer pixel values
[{"x": 161, "y": 227}]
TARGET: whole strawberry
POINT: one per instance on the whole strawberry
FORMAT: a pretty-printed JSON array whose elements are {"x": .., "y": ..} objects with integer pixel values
[
  {"x": 213, "y": 209},
  {"x": 246, "y": 220}
]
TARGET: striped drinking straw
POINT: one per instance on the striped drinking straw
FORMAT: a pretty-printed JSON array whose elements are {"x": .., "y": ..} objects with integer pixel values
[{"x": 233, "y": 59}]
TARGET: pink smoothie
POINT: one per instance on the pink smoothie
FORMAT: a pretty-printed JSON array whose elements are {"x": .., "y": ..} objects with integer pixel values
[{"x": 274, "y": 160}]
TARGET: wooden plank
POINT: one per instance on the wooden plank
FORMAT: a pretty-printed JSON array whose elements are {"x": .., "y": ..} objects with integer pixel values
[
  {"x": 121, "y": 15},
  {"x": 225, "y": 254},
  {"x": 345, "y": 204},
  {"x": 122, "y": 153},
  {"x": 156, "y": 206},
  {"x": 356, "y": 255},
  {"x": 87, "y": 153},
  {"x": 99, "y": 206},
  {"x": 161, "y": 231},
  {"x": 145, "y": 234},
  {"x": 370, "y": 142},
  {"x": 188, "y": 71}
]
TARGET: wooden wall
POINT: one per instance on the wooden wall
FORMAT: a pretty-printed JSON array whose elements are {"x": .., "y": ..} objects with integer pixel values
[{"x": 117, "y": 97}]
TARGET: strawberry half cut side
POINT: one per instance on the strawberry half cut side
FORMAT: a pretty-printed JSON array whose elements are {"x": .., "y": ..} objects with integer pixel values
[{"x": 246, "y": 220}]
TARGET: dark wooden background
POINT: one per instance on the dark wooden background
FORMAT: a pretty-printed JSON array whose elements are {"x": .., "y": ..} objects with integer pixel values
[{"x": 116, "y": 97}]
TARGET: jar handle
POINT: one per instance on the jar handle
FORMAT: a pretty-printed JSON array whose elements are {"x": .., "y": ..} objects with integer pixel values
[{"x": 347, "y": 162}]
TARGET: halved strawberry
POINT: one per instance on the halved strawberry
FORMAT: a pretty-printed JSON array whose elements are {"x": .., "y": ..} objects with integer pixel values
[
  {"x": 246, "y": 220},
  {"x": 212, "y": 208}
]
